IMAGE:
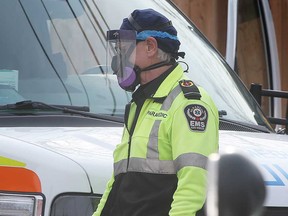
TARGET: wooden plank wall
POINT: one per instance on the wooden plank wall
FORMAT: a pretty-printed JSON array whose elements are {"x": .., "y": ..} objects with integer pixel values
[
  {"x": 280, "y": 17},
  {"x": 197, "y": 11}
]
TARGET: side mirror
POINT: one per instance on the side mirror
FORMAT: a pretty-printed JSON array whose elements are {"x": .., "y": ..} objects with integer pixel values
[{"x": 235, "y": 186}]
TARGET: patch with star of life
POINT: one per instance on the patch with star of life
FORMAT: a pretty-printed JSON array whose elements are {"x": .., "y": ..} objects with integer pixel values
[{"x": 196, "y": 116}]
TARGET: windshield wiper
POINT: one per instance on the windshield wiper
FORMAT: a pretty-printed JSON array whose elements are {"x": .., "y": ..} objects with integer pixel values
[
  {"x": 79, "y": 110},
  {"x": 30, "y": 105}
]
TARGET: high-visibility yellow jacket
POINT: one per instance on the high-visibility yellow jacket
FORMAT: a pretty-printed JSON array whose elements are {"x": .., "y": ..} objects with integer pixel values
[{"x": 160, "y": 169}]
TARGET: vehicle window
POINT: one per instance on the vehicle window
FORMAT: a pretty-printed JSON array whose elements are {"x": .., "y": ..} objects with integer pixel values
[
  {"x": 60, "y": 57},
  {"x": 23, "y": 59}
]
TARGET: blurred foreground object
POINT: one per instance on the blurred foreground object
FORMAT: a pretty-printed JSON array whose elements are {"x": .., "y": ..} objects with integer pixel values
[{"x": 235, "y": 186}]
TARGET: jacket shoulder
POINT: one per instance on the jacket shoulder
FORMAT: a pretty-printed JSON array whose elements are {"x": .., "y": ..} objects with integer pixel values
[{"x": 189, "y": 89}]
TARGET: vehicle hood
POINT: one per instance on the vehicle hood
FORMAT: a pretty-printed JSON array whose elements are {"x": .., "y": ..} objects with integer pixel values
[{"x": 92, "y": 149}]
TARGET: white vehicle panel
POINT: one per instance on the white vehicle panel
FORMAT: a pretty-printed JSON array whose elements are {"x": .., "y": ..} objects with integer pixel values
[{"x": 92, "y": 149}]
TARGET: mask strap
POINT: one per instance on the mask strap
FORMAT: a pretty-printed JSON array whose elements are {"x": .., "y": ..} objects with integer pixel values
[{"x": 157, "y": 65}]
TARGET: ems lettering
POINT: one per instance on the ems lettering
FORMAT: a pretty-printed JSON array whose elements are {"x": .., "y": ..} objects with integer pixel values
[{"x": 197, "y": 125}]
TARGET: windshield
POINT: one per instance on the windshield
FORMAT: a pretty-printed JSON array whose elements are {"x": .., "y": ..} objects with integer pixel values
[{"x": 53, "y": 51}]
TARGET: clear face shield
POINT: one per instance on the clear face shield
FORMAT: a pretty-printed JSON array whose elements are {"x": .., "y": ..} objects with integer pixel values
[{"x": 120, "y": 46}]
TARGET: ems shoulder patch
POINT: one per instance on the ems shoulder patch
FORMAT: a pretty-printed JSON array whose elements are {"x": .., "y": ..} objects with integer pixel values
[{"x": 196, "y": 116}]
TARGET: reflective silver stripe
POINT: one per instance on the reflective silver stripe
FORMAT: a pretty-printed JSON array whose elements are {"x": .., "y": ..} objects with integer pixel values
[
  {"x": 120, "y": 167},
  {"x": 152, "y": 146},
  {"x": 170, "y": 98},
  {"x": 191, "y": 159},
  {"x": 156, "y": 166},
  {"x": 145, "y": 166},
  {"x": 151, "y": 166}
]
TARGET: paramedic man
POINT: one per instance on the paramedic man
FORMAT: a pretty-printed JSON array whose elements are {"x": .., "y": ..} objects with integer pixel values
[{"x": 171, "y": 126}]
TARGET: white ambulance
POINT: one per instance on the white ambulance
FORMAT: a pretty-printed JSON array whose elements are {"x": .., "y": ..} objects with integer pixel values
[{"x": 61, "y": 115}]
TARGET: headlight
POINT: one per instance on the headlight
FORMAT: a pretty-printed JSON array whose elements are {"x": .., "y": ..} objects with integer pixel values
[{"x": 19, "y": 204}]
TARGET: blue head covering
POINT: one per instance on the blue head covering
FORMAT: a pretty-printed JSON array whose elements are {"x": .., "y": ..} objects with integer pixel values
[{"x": 150, "y": 23}]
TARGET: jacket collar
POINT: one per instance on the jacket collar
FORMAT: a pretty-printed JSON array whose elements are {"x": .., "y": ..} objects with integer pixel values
[{"x": 169, "y": 83}]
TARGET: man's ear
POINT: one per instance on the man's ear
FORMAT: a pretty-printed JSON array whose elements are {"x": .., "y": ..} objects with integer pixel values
[{"x": 152, "y": 46}]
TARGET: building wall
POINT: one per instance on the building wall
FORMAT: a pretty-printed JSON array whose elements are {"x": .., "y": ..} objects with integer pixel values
[
  {"x": 280, "y": 16},
  {"x": 198, "y": 11}
]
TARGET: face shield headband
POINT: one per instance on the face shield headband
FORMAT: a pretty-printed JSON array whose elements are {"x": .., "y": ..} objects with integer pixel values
[{"x": 120, "y": 45}]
